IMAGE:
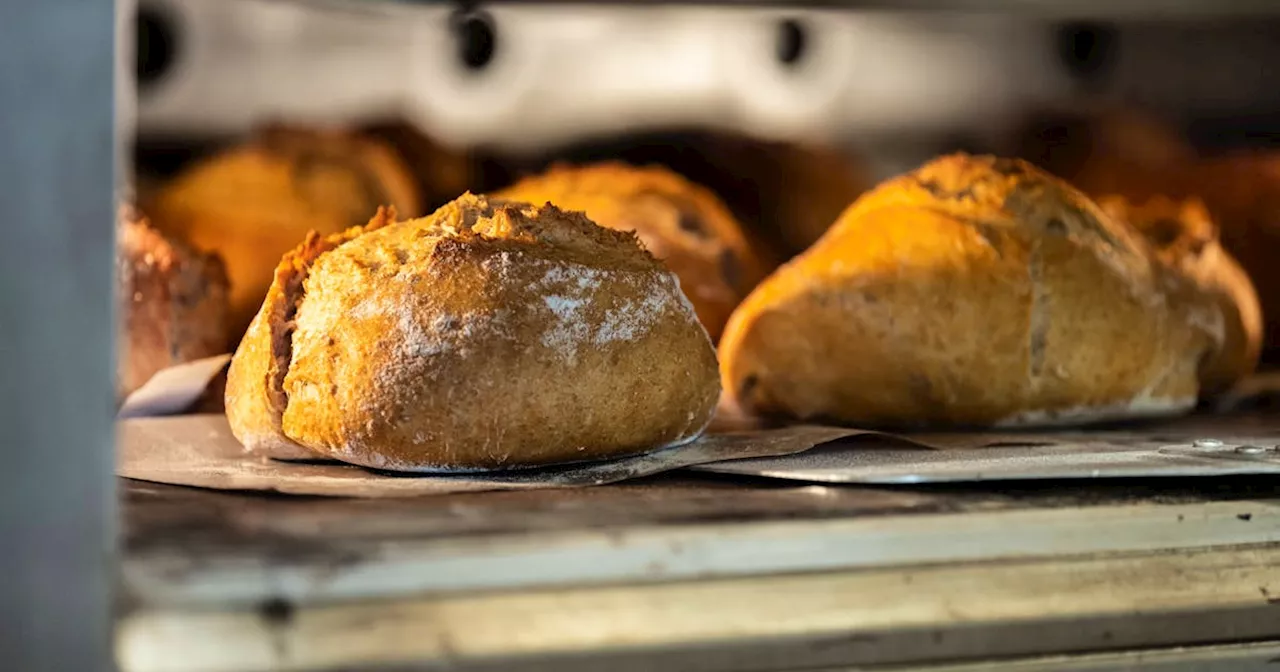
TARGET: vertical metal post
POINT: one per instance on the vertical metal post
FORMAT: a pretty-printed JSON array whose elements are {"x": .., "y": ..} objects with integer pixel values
[{"x": 57, "y": 508}]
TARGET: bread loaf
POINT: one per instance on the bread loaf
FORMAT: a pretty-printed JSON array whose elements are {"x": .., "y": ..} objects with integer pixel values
[
  {"x": 973, "y": 291},
  {"x": 681, "y": 223},
  {"x": 254, "y": 202},
  {"x": 1186, "y": 239},
  {"x": 487, "y": 335},
  {"x": 171, "y": 303}
]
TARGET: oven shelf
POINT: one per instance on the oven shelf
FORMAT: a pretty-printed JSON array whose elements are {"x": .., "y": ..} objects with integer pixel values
[{"x": 696, "y": 572}]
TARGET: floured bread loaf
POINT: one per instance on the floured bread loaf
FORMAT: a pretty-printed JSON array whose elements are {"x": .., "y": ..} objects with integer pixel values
[
  {"x": 1186, "y": 239},
  {"x": 487, "y": 335},
  {"x": 681, "y": 223},
  {"x": 254, "y": 202},
  {"x": 171, "y": 302},
  {"x": 973, "y": 291}
]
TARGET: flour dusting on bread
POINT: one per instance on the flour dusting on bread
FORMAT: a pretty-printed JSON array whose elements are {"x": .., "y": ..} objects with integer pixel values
[
  {"x": 570, "y": 291},
  {"x": 489, "y": 335}
]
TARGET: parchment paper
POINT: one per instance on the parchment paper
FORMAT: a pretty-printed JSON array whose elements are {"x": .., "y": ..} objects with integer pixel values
[
  {"x": 173, "y": 390},
  {"x": 199, "y": 450}
]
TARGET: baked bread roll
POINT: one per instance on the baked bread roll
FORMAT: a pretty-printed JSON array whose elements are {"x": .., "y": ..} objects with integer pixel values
[
  {"x": 784, "y": 193},
  {"x": 487, "y": 335},
  {"x": 1242, "y": 192},
  {"x": 171, "y": 303},
  {"x": 253, "y": 203},
  {"x": 972, "y": 291},
  {"x": 1186, "y": 240},
  {"x": 681, "y": 223}
]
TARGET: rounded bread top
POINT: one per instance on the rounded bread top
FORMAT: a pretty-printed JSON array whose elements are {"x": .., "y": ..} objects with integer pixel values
[
  {"x": 489, "y": 334},
  {"x": 973, "y": 290}
]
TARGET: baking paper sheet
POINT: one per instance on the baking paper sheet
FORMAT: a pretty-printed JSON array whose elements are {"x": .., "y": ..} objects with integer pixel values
[
  {"x": 173, "y": 390},
  {"x": 199, "y": 450}
]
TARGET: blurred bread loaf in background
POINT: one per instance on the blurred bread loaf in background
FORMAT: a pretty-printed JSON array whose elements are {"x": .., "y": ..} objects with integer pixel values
[
  {"x": 252, "y": 202},
  {"x": 1186, "y": 239},
  {"x": 171, "y": 302},
  {"x": 1136, "y": 155},
  {"x": 785, "y": 194}
]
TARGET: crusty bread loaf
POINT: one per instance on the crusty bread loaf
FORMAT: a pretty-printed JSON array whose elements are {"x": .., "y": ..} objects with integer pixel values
[
  {"x": 681, "y": 223},
  {"x": 1185, "y": 238},
  {"x": 487, "y": 335},
  {"x": 972, "y": 291},
  {"x": 172, "y": 302},
  {"x": 254, "y": 202}
]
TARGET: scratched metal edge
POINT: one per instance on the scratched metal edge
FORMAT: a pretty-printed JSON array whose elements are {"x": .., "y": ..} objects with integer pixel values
[
  {"x": 657, "y": 553},
  {"x": 934, "y": 614},
  {"x": 1198, "y": 445},
  {"x": 1080, "y": 9}
]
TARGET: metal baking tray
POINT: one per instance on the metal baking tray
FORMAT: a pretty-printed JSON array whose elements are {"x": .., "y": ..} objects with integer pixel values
[{"x": 1205, "y": 444}]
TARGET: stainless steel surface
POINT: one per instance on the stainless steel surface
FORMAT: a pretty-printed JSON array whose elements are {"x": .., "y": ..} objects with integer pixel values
[
  {"x": 1083, "y": 9},
  {"x": 1229, "y": 445},
  {"x": 57, "y": 511},
  {"x": 565, "y": 73},
  {"x": 896, "y": 86},
  {"x": 200, "y": 451}
]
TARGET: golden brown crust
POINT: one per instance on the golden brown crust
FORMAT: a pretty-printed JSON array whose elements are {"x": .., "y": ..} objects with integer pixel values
[
  {"x": 488, "y": 335},
  {"x": 679, "y": 222},
  {"x": 972, "y": 291},
  {"x": 254, "y": 202},
  {"x": 172, "y": 302},
  {"x": 255, "y": 396},
  {"x": 1186, "y": 240}
]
